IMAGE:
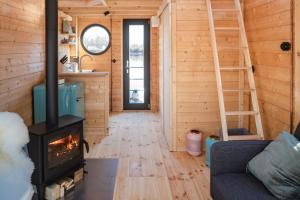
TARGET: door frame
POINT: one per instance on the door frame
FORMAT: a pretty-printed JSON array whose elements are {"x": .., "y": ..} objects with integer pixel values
[
  {"x": 147, "y": 43},
  {"x": 168, "y": 11},
  {"x": 295, "y": 118}
]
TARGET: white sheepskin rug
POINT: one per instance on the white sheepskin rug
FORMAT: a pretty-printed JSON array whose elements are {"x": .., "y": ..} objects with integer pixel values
[{"x": 15, "y": 166}]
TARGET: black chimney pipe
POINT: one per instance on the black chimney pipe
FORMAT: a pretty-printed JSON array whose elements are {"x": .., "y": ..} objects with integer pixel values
[{"x": 51, "y": 62}]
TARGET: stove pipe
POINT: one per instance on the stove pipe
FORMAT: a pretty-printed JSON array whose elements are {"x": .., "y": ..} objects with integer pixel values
[{"x": 51, "y": 7}]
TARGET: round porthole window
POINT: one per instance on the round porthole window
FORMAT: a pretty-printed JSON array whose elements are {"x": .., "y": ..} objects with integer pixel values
[{"x": 95, "y": 39}]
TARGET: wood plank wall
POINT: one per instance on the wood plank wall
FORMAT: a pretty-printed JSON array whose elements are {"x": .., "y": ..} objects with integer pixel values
[
  {"x": 22, "y": 54},
  {"x": 154, "y": 70},
  {"x": 102, "y": 63},
  {"x": 196, "y": 90},
  {"x": 268, "y": 24},
  {"x": 117, "y": 68},
  {"x": 96, "y": 106}
]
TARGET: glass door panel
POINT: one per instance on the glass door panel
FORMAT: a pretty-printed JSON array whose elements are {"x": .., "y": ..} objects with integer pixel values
[{"x": 136, "y": 70}]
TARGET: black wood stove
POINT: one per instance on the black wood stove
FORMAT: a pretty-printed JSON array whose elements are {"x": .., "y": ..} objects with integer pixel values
[
  {"x": 56, "y": 146},
  {"x": 56, "y": 151}
]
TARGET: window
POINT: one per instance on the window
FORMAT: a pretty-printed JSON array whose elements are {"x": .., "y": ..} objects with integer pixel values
[{"x": 95, "y": 39}]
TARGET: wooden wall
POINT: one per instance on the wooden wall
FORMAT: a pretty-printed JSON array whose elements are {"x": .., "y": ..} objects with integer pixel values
[
  {"x": 117, "y": 68},
  {"x": 102, "y": 62},
  {"x": 154, "y": 70},
  {"x": 21, "y": 54},
  {"x": 196, "y": 91},
  {"x": 96, "y": 99},
  {"x": 196, "y": 102},
  {"x": 268, "y": 24}
]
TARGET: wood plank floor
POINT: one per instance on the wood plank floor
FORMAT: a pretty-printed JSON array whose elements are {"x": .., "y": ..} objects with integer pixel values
[{"x": 147, "y": 170}]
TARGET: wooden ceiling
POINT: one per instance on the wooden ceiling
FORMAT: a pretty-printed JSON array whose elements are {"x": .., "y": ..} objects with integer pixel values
[{"x": 116, "y": 7}]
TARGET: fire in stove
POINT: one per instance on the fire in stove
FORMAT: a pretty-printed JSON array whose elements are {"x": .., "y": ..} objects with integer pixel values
[{"x": 63, "y": 149}]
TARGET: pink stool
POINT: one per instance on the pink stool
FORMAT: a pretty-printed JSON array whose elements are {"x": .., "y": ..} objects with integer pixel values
[{"x": 193, "y": 142}]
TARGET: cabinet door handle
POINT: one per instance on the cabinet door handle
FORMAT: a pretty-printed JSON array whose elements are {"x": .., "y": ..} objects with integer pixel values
[{"x": 78, "y": 99}]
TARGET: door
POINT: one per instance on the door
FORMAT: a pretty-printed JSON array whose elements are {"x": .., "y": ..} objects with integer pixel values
[
  {"x": 165, "y": 73},
  {"x": 136, "y": 61}
]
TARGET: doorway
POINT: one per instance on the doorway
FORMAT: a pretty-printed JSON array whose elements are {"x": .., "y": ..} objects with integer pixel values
[{"x": 136, "y": 61}]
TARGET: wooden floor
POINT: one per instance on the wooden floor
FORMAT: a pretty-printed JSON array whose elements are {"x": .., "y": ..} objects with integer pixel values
[{"x": 147, "y": 170}]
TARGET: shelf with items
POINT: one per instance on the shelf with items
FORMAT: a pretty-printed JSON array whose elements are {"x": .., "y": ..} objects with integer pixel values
[
  {"x": 68, "y": 44},
  {"x": 68, "y": 41},
  {"x": 69, "y": 34}
]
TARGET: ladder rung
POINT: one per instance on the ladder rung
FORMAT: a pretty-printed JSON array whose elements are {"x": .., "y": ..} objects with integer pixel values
[
  {"x": 239, "y": 90},
  {"x": 244, "y": 137},
  {"x": 229, "y": 48},
  {"x": 238, "y": 113},
  {"x": 240, "y": 30},
  {"x": 232, "y": 47},
  {"x": 227, "y": 28},
  {"x": 224, "y": 10},
  {"x": 233, "y": 68}
]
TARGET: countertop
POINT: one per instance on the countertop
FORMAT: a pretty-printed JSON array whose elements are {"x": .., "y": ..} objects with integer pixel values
[{"x": 99, "y": 74}]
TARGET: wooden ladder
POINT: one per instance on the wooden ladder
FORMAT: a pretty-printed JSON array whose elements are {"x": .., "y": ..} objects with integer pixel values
[{"x": 248, "y": 68}]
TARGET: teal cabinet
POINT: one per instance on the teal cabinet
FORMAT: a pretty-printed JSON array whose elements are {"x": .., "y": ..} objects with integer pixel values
[{"x": 70, "y": 101}]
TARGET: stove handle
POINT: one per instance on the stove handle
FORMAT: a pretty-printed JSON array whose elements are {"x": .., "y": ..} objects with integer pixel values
[{"x": 87, "y": 146}]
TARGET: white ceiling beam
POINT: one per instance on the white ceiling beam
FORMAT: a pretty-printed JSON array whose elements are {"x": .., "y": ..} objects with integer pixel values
[
  {"x": 131, "y": 7},
  {"x": 162, "y": 7},
  {"x": 98, "y": 2},
  {"x": 80, "y": 4}
]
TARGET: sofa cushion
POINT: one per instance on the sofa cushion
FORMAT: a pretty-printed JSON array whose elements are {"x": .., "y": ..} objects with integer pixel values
[
  {"x": 238, "y": 187},
  {"x": 278, "y": 167},
  {"x": 297, "y": 132}
]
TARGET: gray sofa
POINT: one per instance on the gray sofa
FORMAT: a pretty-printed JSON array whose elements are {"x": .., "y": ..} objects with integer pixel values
[{"x": 229, "y": 180}]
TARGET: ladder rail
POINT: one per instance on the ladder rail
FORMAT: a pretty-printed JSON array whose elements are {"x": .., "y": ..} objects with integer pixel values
[
  {"x": 248, "y": 66},
  {"x": 217, "y": 71},
  {"x": 248, "y": 62}
]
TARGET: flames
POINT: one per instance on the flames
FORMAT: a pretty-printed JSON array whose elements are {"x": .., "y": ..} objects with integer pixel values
[
  {"x": 57, "y": 142},
  {"x": 73, "y": 143},
  {"x": 69, "y": 143}
]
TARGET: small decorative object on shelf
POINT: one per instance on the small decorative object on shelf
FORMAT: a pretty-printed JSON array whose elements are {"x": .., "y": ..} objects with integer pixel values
[
  {"x": 65, "y": 41},
  {"x": 73, "y": 29},
  {"x": 67, "y": 28},
  {"x": 70, "y": 41},
  {"x": 193, "y": 142}
]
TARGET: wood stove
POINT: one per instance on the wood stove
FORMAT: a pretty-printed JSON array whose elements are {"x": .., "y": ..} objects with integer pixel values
[
  {"x": 56, "y": 146},
  {"x": 56, "y": 152}
]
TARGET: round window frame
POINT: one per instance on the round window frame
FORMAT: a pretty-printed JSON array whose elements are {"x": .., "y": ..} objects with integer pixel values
[{"x": 87, "y": 28}]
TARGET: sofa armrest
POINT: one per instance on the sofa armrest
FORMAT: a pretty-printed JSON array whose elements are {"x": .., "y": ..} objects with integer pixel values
[{"x": 233, "y": 156}]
